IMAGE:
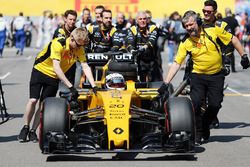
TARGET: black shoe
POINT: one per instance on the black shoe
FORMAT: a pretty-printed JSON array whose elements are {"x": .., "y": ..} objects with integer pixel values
[
  {"x": 206, "y": 134},
  {"x": 22, "y": 137},
  {"x": 33, "y": 136},
  {"x": 198, "y": 138},
  {"x": 215, "y": 123}
]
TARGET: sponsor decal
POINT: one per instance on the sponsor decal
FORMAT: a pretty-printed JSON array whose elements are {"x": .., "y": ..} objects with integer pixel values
[{"x": 118, "y": 131}]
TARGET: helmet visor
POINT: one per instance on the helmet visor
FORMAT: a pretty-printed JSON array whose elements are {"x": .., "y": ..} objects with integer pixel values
[{"x": 116, "y": 83}]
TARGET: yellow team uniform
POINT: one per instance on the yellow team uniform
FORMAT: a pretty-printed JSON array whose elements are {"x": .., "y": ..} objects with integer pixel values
[
  {"x": 58, "y": 49},
  {"x": 207, "y": 59}
]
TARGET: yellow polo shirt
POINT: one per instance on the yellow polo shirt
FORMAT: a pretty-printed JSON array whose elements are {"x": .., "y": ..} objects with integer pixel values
[
  {"x": 206, "y": 58},
  {"x": 58, "y": 49}
]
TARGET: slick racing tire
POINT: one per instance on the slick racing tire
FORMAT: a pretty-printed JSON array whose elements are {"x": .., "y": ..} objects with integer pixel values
[
  {"x": 54, "y": 118},
  {"x": 181, "y": 119}
]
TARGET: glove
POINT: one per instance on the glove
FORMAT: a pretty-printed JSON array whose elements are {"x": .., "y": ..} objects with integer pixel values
[
  {"x": 133, "y": 52},
  {"x": 74, "y": 93},
  {"x": 95, "y": 89},
  {"x": 226, "y": 69},
  {"x": 245, "y": 61},
  {"x": 158, "y": 101},
  {"x": 141, "y": 50},
  {"x": 163, "y": 90}
]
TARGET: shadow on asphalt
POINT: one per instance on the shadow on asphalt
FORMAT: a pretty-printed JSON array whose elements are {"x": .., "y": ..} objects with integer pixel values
[
  {"x": 125, "y": 157},
  {"x": 12, "y": 116},
  {"x": 9, "y": 117},
  {"x": 8, "y": 138},
  {"x": 226, "y": 139},
  {"x": 230, "y": 125},
  {"x": 10, "y": 84}
]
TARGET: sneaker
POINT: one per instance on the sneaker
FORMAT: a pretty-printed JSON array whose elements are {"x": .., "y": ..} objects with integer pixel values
[
  {"x": 33, "y": 136},
  {"x": 206, "y": 134},
  {"x": 22, "y": 137}
]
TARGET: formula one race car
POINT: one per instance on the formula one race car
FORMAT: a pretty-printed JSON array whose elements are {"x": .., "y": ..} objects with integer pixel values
[{"x": 125, "y": 115}]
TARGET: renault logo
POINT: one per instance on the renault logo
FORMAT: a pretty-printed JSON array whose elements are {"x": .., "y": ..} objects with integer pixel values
[{"x": 118, "y": 131}]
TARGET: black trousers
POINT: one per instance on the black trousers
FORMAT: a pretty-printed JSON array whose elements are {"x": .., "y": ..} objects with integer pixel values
[
  {"x": 206, "y": 89},
  {"x": 232, "y": 59}
]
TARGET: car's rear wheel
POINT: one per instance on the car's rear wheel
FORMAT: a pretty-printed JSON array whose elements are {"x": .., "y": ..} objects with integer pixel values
[
  {"x": 54, "y": 118},
  {"x": 181, "y": 121}
]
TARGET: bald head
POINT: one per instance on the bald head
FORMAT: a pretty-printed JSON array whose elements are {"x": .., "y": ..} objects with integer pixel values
[{"x": 120, "y": 17}]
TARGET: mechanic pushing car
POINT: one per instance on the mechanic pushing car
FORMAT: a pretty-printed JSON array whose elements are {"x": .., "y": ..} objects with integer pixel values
[
  {"x": 206, "y": 77},
  {"x": 50, "y": 66},
  {"x": 69, "y": 25},
  {"x": 209, "y": 10},
  {"x": 142, "y": 37}
]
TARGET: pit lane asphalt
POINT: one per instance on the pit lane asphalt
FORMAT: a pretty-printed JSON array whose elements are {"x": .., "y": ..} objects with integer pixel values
[{"x": 229, "y": 145}]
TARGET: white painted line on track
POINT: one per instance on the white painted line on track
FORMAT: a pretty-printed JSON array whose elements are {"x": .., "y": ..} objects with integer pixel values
[
  {"x": 234, "y": 91},
  {"x": 5, "y": 76},
  {"x": 238, "y": 93}
]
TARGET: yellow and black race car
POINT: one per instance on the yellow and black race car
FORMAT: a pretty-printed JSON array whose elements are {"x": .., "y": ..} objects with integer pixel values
[{"x": 130, "y": 117}]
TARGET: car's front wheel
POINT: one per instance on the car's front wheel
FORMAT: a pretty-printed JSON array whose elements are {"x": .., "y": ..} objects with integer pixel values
[
  {"x": 54, "y": 118},
  {"x": 181, "y": 121}
]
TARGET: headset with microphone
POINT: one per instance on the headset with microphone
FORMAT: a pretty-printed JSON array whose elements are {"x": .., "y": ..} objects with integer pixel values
[{"x": 193, "y": 13}]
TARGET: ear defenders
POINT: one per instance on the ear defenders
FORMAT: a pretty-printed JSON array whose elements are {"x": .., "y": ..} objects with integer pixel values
[{"x": 192, "y": 13}]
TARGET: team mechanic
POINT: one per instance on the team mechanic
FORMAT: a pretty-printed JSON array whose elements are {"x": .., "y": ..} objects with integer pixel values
[
  {"x": 230, "y": 24},
  {"x": 50, "y": 67},
  {"x": 209, "y": 11},
  {"x": 122, "y": 26},
  {"x": 98, "y": 19},
  {"x": 206, "y": 77},
  {"x": 142, "y": 37},
  {"x": 104, "y": 37},
  {"x": 69, "y": 17}
]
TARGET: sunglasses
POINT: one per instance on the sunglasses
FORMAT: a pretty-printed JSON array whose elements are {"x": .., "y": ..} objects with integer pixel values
[{"x": 207, "y": 11}]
